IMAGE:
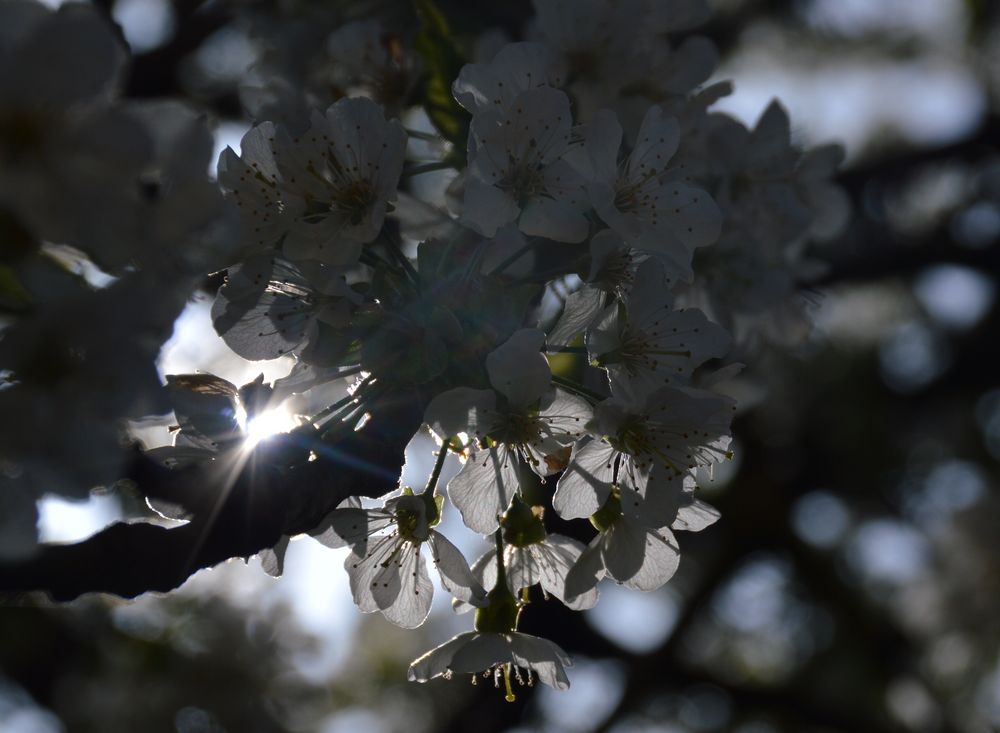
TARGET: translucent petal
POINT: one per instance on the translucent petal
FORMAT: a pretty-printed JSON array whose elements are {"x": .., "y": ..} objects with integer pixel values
[
  {"x": 690, "y": 215},
  {"x": 584, "y": 576},
  {"x": 456, "y": 577},
  {"x": 351, "y": 526},
  {"x": 272, "y": 560},
  {"x": 655, "y": 145},
  {"x": 548, "y": 563},
  {"x": 586, "y": 483},
  {"x": 695, "y": 517},
  {"x": 640, "y": 558},
  {"x": 517, "y": 368},
  {"x": 547, "y": 659},
  {"x": 482, "y": 490},
  {"x": 581, "y": 308},
  {"x": 516, "y": 68},
  {"x": 554, "y": 220},
  {"x": 438, "y": 661},
  {"x": 71, "y": 57},
  {"x": 461, "y": 410},
  {"x": 364, "y": 563},
  {"x": 487, "y": 208},
  {"x": 406, "y": 589},
  {"x": 604, "y": 138}
]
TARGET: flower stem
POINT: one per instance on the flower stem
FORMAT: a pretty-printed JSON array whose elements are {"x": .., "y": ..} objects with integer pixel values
[
  {"x": 421, "y": 135},
  {"x": 438, "y": 465},
  {"x": 512, "y": 259},
  {"x": 578, "y": 388},
  {"x": 434, "y": 165},
  {"x": 403, "y": 260}
]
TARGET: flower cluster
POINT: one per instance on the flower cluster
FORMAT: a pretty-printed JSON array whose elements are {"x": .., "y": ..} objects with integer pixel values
[{"x": 581, "y": 167}]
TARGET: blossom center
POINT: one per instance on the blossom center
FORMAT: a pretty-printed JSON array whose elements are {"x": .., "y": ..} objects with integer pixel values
[
  {"x": 523, "y": 180},
  {"x": 353, "y": 200}
]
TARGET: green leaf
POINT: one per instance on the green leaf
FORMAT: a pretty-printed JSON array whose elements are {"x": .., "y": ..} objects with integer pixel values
[
  {"x": 442, "y": 61},
  {"x": 13, "y": 296}
]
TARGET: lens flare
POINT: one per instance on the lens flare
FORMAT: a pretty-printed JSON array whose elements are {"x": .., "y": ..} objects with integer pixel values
[{"x": 268, "y": 423}]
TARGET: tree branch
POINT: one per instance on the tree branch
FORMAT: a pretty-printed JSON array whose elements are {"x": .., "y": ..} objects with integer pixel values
[{"x": 235, "y": 518}]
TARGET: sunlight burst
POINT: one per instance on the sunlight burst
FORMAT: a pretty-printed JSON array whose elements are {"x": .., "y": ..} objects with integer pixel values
[{"x": 268, "y": 423}]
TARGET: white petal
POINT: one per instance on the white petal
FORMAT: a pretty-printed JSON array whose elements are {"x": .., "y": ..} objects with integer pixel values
[
  {"x": 403, "y": 590},
  {"x": 652, "y": 499},
  {"x": 363, "y": 564},
  {"x": 555, "y": 220},
  {"x": 655, "y": 144},
  {"x": 552, "y": 561},
  {"x": 690, "y": 214},
  {"x": 486, "y": 208},
  {"x": 483, "y": 489},
  {"x": 484, "y": 570},
  {"x": 604, "y": 137},
  {"x": 602, "y": 197},
  {"x": 696, "y": 516},
  {"x": 640, "y": 558},
  {"x": 516, "y": 68},
  {"x": 689, "y": 65},
  {"x": 437, "y": 661},
  {"x": 565, "y": 416},
  {"x": 586, "y": 483},
  {"x": 581, "y": 308},
  {"x": 772, "y": 134},
  {"x": 69, "y": 58},
  {"x": 584, "y": 576},
  {"x": 693, "y": 425},
  {"x": 605, "y": 334},
  {"x": 350, "y": 526},
  {"x": 461, "y": 410},
  {"x": 272, "y": 560},
  {"x": 456, "y": 577},
  {"x": 481, "y": 652},
  {"x": 518, "y": 369},
  {"x": 546, "y": 658}
]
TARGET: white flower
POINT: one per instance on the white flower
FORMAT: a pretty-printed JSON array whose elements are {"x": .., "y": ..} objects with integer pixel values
[
  {"x": 325, "y": 191},
  {"x": 650, "y": 344},
  {"x": 531, "y": 556},
  {"x": 545, "y": 563},
  {"x": 594, "y": 469},
  {"x": 671, "y": 432},
  {"x": 387, "y": 571},
  {"x": 73, "y": 369},
  {"x": 640, "y": 198},
  {"x": 494, "y": 654},
  {"x": 636, "y": 545},
  {"x": 599, "y": 42},
  {"x": 362, "y": 57},
  {"x": 518, "y": 172},
  {"x": 607, "y": 45},
  {"x": 637, "y": 556},
  {"x": 70, "y": 159},
  {"x": 613, "y": 263},
  {"x": 611, "y": 271},
  {"x": 522, "y": 421},
  {"x": 516, "y": 68},
  {"x": 269, "y": 308},
  {"x": 677, "y": 427}
]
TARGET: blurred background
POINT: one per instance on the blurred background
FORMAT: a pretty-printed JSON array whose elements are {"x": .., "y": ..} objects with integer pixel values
[{"x": 853, "y": 582}]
